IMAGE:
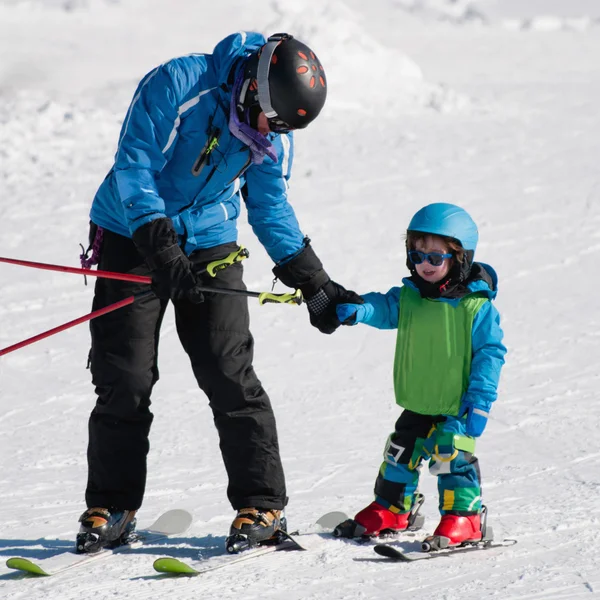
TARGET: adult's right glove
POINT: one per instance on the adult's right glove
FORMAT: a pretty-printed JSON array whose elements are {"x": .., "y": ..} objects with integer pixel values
[
  {"x": 305, "y": 271},
  {"x": 322, "y": 305},
  {"x": 172, "y": 274}
]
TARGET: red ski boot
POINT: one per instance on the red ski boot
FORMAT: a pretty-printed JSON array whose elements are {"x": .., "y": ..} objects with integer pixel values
[
  {"x": 375, "y": 519},
  {"x": 454, "y": 530},
  {"x": 371, "y": 521}
]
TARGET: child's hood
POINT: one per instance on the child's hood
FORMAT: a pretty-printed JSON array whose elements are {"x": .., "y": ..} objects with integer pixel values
[
  {"x": 484, "y": 279},
  {"x": 231, "y": 48}
]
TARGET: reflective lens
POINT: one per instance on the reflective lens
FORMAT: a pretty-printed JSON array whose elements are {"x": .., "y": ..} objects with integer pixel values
[
  {"x": 276, "y": 125},
  {"x": 433, "y": 258}
]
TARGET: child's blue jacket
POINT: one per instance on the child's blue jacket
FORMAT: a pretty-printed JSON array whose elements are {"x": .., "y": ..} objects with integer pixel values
[{"x": 382, "y": 311}]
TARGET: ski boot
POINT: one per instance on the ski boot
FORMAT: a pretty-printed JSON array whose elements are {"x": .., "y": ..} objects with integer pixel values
[
  {"x": 456, "y": 530},
  {"x": 254, "y": 526},
  {"x": 104, "y": 528},
  {"x": 376, "y": 520}
]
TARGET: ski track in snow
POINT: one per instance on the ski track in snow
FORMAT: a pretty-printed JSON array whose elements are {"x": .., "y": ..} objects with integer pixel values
[{"x": 496, "y": 112}]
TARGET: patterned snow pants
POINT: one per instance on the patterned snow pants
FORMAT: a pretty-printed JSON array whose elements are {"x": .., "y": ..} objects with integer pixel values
[{"x": 442, "y": 441}]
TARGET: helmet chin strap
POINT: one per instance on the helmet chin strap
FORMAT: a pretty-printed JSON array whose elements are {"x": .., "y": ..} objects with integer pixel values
[
  {"x": 247, "y": 103},
  {"x": 252, "y": 116},
  {"x": 243, "y": 92},
  {"x": 260, "y": 145},
  {"x": 247, "y": 113}
]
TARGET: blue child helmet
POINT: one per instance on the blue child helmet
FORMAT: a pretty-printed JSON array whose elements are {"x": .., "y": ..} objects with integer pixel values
[{"x": 447, "y": 220}]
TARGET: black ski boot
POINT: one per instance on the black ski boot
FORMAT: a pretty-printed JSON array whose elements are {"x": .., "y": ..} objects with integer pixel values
[
  {"x": 104, "y": 528},
  {"x": 254, "y": 526}
]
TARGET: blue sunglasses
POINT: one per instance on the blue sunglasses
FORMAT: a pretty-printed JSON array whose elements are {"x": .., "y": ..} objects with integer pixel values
[{"x": 435, "y": 259}]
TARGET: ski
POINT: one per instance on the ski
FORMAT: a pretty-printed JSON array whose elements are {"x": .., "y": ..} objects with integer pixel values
[
  {"x": 330, "y": 522},
  {"x": 399, "y": 555},
  {"x": 331, "y": 519},
  {"x": 172, "y": 522},
  {"x": 174, "y": 566}
]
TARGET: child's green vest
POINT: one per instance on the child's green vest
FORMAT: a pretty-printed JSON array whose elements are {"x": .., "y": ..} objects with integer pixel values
[{"x": 433, "y": 352}]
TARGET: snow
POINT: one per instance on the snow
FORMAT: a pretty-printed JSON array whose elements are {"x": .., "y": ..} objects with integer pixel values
[{"x": 496, "y": 111}]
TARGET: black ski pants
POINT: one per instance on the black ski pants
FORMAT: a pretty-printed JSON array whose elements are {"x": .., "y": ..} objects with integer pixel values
[{"x": 215, "y": 335}]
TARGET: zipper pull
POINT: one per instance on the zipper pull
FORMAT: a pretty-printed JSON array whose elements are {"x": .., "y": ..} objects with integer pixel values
[{"x": 211, "y": 144}]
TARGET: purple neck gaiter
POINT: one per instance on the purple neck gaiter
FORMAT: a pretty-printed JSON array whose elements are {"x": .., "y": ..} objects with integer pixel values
[{"x": 259, "y": 144}]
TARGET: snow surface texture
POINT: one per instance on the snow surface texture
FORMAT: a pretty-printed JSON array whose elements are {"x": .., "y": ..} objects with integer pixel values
[{"x": 426, "y": 104}]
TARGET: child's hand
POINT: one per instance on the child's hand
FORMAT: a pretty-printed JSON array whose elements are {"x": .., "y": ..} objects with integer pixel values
[
  {"x": 477, "y": 418},
  {"x": 349, "y": 314}
]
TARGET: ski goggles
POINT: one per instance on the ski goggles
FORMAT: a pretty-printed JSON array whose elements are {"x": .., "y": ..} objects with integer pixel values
[
  {"x": 435, "y": 259},
  {"x": 276, "y": 124}
]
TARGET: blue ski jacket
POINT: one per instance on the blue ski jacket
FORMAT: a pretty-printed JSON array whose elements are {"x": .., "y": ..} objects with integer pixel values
[
  {"x": 176, "y": 158},
  {"x": 382, "y": 311}
]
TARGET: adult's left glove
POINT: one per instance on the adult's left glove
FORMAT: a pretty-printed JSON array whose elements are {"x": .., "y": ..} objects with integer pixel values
[
  {"x": 477, "y": 418},
  {"x": 172, "y": 274},
  {"x": 305, "y": 271}
]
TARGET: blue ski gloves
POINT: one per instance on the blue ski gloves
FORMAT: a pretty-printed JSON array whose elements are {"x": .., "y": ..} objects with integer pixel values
[
  {"x": 322, "y": 295},
  {"x": 350, "y": 314},
  {"x": 477, "y": 418}
]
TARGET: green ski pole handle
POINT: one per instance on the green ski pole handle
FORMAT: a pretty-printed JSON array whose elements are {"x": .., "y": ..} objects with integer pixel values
[
  {"x": 263, "y": 297},
  {"x": 218, "y": 265},
  {"x": 269, "y": 297}
]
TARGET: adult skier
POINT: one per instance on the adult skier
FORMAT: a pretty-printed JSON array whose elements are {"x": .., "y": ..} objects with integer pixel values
[{"x": 203, "y": 132}]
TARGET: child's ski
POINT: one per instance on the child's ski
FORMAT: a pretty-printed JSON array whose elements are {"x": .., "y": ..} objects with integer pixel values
[
  {"x": 172, "y": 522},
  {"x": 400, "y": 555}
]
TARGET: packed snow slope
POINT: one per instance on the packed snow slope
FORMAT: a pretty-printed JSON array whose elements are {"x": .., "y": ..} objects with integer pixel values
[{"x": 489, "y": 104}]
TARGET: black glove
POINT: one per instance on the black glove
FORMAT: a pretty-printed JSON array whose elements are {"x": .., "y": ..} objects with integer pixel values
[
  {"x": 172, "y": 274},
  {"x": 305, "y": 271},
  {"x": 322, "y": 305}
]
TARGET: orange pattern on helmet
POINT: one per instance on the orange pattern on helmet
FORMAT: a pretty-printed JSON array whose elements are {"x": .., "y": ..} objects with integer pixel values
[{"x": 313, "y": 65}]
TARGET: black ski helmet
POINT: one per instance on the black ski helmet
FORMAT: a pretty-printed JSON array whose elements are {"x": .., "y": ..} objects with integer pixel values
[{"x": 286, "y": 80}]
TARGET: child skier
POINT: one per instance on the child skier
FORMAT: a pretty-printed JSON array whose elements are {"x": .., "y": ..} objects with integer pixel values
[{"x": 449, "y": 354}]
